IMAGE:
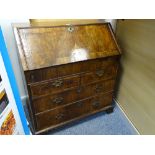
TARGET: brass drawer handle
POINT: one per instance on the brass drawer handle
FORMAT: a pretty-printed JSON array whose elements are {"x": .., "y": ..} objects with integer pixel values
[
  {"x": 59, "y": 116},
  {"x": 70, "y": 29},
  {"x": 100, "y": 73},
  {"x": 57, "y": 83},
  {"x": 96, "y": 104},
  {"x": 58, "y": 100}
]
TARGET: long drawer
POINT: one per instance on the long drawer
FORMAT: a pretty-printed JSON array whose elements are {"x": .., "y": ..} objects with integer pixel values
[
  {"x": 54, "y": 86},
  {"x": 67, "y": 113},
  {"x": 49, "y": 73},
  {"x": 55, "y": 100}
]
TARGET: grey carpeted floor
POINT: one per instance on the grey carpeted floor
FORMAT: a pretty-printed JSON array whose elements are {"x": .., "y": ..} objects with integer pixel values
[{"x": 99, "y": 124}]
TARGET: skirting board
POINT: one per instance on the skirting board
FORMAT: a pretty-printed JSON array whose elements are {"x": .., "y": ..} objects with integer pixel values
[{"x": 121, "y": 108}]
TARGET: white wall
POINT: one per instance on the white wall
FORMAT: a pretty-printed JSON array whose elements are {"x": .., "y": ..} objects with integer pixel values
[{"x": 12, "y": 49}]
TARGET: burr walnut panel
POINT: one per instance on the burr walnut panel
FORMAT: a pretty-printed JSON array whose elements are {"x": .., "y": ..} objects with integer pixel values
[{"x": 42, "y": 46}]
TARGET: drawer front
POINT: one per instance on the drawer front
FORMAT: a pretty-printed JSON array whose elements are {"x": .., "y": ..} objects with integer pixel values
[
  {"x": 98, "y": 64},
  {"x": 52, "y": 72},
  {"x": 54, "y": 86},
  {"x": 40, "y": 75},
  {"x": 52, "y": 101},
  {"x": 68, "y": 69},
  {"x": 85, "y": 66},
  {"x": 72, "y": 111},
  {"x": 98, "y": 75}
]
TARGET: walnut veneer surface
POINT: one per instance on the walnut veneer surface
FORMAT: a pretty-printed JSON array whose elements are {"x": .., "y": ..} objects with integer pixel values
[{"x": 70, "y": 71}]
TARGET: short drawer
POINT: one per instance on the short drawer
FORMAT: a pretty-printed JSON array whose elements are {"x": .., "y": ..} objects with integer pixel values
[
  {"x": 84, "y": 66},
  {"x": 98, "y": 64},
  {"x": 100, "y": 74},
  {"x": 55, "y": 100},
  {"x": 40, "y": 75},
  {"x": 54, "y": 86},
  {"x": 71, "y": 112}
]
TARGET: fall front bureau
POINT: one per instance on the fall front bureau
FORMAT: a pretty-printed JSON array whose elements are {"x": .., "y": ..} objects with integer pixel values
[{"x": 70, "y": 71}]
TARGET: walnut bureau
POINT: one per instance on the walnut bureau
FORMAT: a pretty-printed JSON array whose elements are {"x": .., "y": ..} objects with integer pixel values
[{"x": 70, "y": 71}]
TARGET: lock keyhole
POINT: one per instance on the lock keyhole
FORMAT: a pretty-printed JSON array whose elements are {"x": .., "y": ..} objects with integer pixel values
[{"x": 70, "y": 29}]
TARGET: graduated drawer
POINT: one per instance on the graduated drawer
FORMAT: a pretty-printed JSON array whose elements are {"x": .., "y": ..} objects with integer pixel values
[
  {"x": 53, "y": 101},
  {"x": 98, "y": 64},
  {"x": 39, "y": 75},
  {"x": 54, "y": 86},
  {"x": 85, "y": 66},
  {"x": 100, "y": 74},
  {"x": 49, "y": 73},
  {"x": 73, "y": 111}
]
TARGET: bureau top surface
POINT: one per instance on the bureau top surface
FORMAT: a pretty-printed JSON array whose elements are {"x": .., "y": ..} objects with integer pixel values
[{"x": 41, "y": 47}]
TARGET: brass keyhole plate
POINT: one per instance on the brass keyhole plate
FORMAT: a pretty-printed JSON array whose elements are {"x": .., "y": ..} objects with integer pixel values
[{"x": 70, "y": 29}]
